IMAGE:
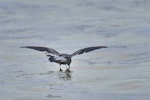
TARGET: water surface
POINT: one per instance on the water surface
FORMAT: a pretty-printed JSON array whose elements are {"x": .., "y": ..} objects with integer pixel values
[{"x": 120, "y": 72}]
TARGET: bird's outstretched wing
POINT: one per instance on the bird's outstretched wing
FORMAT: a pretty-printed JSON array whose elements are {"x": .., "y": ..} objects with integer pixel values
[
  {"x": 88, "y": 49},
  {"x": 43, "y": 49}
]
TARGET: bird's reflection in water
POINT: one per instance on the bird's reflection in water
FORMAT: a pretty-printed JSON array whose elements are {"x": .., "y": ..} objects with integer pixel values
[{"x": 66, "y": 75}]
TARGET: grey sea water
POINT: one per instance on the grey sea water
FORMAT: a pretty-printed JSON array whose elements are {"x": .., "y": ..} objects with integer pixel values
[{"x": 120, "y": 72}]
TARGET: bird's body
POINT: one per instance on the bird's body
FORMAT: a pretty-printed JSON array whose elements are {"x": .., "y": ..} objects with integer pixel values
[{"x": 59, "y": 58}]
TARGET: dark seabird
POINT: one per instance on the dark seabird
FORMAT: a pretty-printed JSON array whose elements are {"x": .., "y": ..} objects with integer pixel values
[{"x": 55, "y": 56}]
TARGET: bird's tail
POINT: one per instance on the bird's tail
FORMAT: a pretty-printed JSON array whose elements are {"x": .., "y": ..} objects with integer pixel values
[{"x": 51, "y": 58}]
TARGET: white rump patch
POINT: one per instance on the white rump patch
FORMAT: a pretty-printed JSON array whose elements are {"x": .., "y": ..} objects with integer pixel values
[{"x": 61, "y": 58}]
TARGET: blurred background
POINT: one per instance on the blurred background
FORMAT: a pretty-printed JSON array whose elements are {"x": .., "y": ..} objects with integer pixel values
[{"x": 120, "y": 72}]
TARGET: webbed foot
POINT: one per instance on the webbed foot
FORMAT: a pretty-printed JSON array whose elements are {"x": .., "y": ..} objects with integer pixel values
[
  {"x": 60, "y": 70},
  {"x": 67, "y": 70}
]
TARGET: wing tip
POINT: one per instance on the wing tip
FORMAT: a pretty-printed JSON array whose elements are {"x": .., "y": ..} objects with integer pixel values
[
  {"x": 103, "y": 46},
  {"x": 24, "y": 47}
]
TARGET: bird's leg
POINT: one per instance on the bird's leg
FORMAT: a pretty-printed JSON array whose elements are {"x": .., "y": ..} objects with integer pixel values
[
  {"x": 68, "y": 69},
  {"x": 68, "y": 66},
  {"x": 60, "y": 68}
]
